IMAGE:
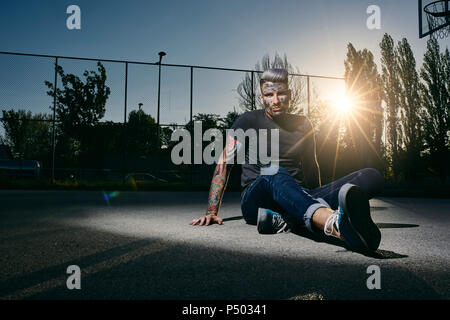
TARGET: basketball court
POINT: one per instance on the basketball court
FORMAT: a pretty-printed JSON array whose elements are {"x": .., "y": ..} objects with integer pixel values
[{"x": 139, "y": 245}]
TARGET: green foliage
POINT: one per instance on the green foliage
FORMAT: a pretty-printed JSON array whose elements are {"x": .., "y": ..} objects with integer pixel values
[
  {"x": 417, "y": 112},
  {"x": 208, "y": 120},
  {"x": 141, "y": 133},
  {"x": 109, "y": 140},
  {"x": 30, "y": 136},
  {"x": 435, "y": 93},
  {"x": 409, "y": 118},
  {"x": 392, "y": 98},
  {"x": 212, "y": 121},
  {"x": 328, "y": 138},
  {"x": 364, "y": 127},
  {"x": 80, "y": 106},
  {"x": 229, "y": 119}
]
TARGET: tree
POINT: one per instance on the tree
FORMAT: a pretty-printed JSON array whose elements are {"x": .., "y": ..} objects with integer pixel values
[
  {"x": 109, "y": 138},
  {"x": 30, "y": 136},
  {"x": 80, "y": 106},
  {"x": 249, "y": 92},
  {"x": 410, "y": 120},
  {"x": 16, "y": 125},
  {"x": 364, "y": 124},
  {"x": 328, "y": 139},
  {"x": 212, "y": 121},
  {"x": 435, "y": 95},
  {"x": 208, "y": 120},
  {"x": 229, "y": 119},
  {"x": 141, "y": 133},
  {"x": 391, "y": 96}
]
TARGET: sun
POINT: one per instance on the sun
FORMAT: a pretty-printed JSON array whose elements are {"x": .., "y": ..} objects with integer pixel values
[{"x": 343, "y": 104}]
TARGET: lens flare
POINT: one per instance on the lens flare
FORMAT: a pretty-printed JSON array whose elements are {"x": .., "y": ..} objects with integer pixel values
[
  {"x": 343, "y": 104},
  {"x": 111, "y": 195}
]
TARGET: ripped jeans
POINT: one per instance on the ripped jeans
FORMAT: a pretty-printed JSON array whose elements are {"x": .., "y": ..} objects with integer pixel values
[{"x": 281, "y": 193}]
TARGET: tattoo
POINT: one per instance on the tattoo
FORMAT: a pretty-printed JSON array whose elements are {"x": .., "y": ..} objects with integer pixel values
[
  {"x": 216, "y": 190},
  {"x": 275, "y": 86},
  {"x": 219, "y": 181},
  {"x": 275, "y": 97}
]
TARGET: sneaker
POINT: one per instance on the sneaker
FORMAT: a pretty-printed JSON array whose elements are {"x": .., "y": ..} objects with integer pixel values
[
  {"x": 270, "y": 222},
  {"x": 352, "y": 220}
]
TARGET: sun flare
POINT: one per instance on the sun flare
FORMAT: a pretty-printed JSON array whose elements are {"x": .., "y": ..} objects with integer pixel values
[{"x": 343, "y": 104}]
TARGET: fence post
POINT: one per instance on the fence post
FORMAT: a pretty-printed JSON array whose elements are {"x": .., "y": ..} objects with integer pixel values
[
  {"x": 253, "y": 94},
  {"x": 191, "y": 94},
  {"x": 309, "y": 96},
  {"x": 190, "y": 118},
  {"x": 124, "y": 154},
  {"x": 54, "y": 120},
  {"x": 159, "y": 106}
]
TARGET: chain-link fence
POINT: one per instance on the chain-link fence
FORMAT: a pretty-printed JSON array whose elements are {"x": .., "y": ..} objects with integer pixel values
[{"x": 127, "y": 142}]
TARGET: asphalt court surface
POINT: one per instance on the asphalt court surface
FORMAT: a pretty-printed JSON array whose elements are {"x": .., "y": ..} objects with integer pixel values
[{"x": 139, "y": 245}]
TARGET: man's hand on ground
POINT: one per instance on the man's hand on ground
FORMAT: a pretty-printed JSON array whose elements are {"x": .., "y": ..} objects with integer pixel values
[{"x": 207, "y": 219}]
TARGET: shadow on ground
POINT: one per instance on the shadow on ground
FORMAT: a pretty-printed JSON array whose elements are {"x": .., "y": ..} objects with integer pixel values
[
  {"x": 36, "y": 252},
  {"x": 187, "y": 271},
  {"x": 378, "y": 254}
]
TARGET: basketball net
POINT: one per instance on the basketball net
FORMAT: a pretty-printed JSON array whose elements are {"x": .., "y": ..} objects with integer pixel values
[{"x": 438, "y": 14}]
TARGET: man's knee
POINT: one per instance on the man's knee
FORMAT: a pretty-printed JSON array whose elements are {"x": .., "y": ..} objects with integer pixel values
[
  {"x": 250, "y": 220},
  {"x": 249, "y": 213},
  {"x": 274, "y": 171},
  {"x": 375, "y": 179},
  {"x": 281, "y": 175}
]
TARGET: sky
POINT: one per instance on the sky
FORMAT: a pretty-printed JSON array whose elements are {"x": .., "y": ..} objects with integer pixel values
[{"x": 228, "y": 34}]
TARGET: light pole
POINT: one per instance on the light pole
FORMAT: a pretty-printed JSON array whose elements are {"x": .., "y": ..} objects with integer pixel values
[
  {"x": 161, "y": 54},
  {"x": 140, "y": 106}
]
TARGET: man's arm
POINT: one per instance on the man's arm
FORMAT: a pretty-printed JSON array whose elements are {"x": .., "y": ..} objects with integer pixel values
[
  {"x": 310, "y": 165},
  {"x": 218, "y": 186}
]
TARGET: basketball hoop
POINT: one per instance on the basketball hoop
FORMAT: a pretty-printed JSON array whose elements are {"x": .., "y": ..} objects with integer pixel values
[{"x": 438, "y": 14}]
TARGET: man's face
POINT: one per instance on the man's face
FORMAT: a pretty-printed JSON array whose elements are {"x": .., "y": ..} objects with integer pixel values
[{"x": 275, "y": 97}]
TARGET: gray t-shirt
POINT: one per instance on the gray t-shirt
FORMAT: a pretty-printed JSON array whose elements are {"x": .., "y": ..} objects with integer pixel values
[{"x": 292, "y": 129}]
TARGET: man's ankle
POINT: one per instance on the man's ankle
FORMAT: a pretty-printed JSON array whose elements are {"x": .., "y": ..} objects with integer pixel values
[{"x": 330, "y": 227}]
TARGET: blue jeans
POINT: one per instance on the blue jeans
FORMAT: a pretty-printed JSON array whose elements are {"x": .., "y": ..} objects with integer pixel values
[{"x": 282, "y": 194}]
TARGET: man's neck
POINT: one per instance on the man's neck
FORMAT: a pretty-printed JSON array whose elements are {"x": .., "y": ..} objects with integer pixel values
[
  {"x": 268, "y": 115},
  {"x": 275, "y": 118}
]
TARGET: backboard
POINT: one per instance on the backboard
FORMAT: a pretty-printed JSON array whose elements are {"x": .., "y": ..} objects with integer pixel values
[{"x": 434, "y": 18}]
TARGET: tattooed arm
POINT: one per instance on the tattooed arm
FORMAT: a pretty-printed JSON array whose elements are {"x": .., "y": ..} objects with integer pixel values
[{"x": 218, "y": 185}]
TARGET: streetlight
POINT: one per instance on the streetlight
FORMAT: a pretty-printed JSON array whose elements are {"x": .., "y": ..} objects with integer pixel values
[
  {"x": 140, "y": 106},
  {"x": 161, "y": 54}
]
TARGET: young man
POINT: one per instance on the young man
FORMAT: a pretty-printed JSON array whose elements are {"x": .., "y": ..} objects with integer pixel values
[{"x": 293, "y": 194}]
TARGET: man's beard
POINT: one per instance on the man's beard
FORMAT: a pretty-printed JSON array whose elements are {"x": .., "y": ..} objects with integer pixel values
[{"x": 281, "y": 110}]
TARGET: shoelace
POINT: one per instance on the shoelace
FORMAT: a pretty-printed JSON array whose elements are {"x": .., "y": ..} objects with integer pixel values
[
  {"x": 330, "y": 224},
  {"x": 281, "y": 224}
]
